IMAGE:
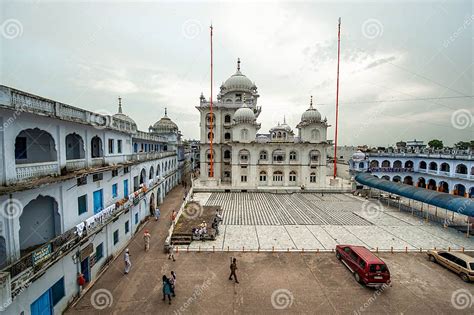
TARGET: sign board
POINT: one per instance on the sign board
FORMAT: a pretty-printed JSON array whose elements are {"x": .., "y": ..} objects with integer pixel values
[
  {"x": 86, "y": 251},
  {"x": 41, "y": 254}
]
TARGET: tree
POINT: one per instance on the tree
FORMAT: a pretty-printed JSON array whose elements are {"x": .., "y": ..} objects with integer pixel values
[
  {"x": 435, "y": 144},
  {"x": 462, "y": 145}
]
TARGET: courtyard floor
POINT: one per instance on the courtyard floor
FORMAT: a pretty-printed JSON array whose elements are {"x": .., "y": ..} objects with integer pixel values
[{"x": 315, "y": 221}]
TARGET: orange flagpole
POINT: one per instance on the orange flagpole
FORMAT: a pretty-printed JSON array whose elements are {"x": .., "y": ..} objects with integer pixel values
[
  {"x": 211, "y": 173},
  {"x": 337, "y": 95}
]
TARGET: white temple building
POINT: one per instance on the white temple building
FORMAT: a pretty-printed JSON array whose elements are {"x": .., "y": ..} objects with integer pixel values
[{"x": 244, "y": 158}]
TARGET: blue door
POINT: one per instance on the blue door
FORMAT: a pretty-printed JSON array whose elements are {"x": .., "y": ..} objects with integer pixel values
[
  {"x": 125, "y": 188},
  {"x": 85, "y": 269},
  {"x": 98, "y": 201},
  {"x": 43, "y": 305}
]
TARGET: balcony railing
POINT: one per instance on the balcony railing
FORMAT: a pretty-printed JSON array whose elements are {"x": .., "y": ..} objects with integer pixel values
[
  {"x": 32, "y": 170},
  {"x": 96, "y": 162},
  {"x": 78, "y": 164},
  {"x": 459, "y": 175},
  {"x": 391, "y": 169}
]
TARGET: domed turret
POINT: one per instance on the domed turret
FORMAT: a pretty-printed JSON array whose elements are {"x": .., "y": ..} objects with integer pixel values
[
  {"x": 121, "y": 116},
  {"x": 358, "y": 156},
  {"x": 164, "y": 125},
  {"x": 244, "y": 115},
  {"x": 311, "y": 114}
]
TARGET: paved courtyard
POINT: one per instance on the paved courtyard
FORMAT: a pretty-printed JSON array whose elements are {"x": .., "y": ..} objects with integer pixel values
[{"x": 315, "y": 221}]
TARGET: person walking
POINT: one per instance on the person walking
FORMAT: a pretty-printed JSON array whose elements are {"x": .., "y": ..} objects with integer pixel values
[
  {"x": 146, "y": 238},
  {"x": 157, "y": 213},
  {"x": 128, "y": 263},
  {"x": 166, "y": 289},
  {"x": 233, "y": 268},
  {"x": 171, "y": 252},
  {"x": 172, "y": 280}
]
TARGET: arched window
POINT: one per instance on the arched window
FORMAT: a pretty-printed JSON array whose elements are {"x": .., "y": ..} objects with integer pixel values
[
  {"x": 74, "y": 147},
  {"x": 277, "y": 176},
  {"x": 422, "y": 165},
  {"x": 292, "y": 176},
  {"x": 208, "y": 119},
  {"x": 397, "y": 164},
  {"x": 312, "y": 177},
  {"x": 361, "y": 165},
  {"x": 374, "y": 163},
  {"x": 278, "y": 156},
  {"x": 445, "y": 167},
  {"x": 96, "y": 147},
  {"x": 292, "y": 156},
  {"x": 314, "y": 156},
  {"x": 227, "y": 119},
  {"x": 227, "y": 154},
  {"x": 461, "y": 169},
  {"x": 152, "y": 172},
  {"x": 227, "y": 136},
  {"x": 209, "y": 135},
  {"x": 386, "y": 163},
  {"x": 263, "y": 155},
  {"x": 244, "y": 156},
  {"x": 433, "y": 166},
  {"x": 263, "y": 176}
]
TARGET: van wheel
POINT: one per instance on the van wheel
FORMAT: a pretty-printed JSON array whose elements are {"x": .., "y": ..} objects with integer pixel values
[
  {"x": 431, "y": 258},
  {"x": 357, "y": 277},
  {"x": 338, "y": 256},
  {"x": 464, "y": 277}
]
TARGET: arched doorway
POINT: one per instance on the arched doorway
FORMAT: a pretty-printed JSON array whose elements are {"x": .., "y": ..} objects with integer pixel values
[
  {"x": 397, "y": 164},
  {"x": 74, "y": 147},
  {"x": 142, "y": 176},
  {"x": 386, "y": 177},
  {"x": 408, "y": 180},
  {"x": 422, "y": 165},
  {"x": 460, "y": 190},
  {"x": 444, "y": 187},
  {"x": 374, "y": 164},
  {"x": 432, "y": 184},
  {"x": 471, "y": 192},
  {"x": 421, "y": 182},
  {"x": 152, "y": 204},
  {"x": 409, "y": 164},
  {"x": 152, "y": 172},
  {"x": 34, "y": 146},
  {"x": 397, "y": 179},
  {"x": 386, "y": 163},
  {"x": 39, "y": 222}
]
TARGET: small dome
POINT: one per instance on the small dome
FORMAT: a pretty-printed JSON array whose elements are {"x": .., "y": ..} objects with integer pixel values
[
  {"x": 311, "y": 114},
  {"x": 358, "y": 156},
  {"x": 244, "y": 115},
  {"x": 238, "y": 82},
  {"x": 165, "y": 125},
  {"x": 121, "y": 116},
  {"x": 262, "y": 139},
  {"x": 282, "y": 127}
]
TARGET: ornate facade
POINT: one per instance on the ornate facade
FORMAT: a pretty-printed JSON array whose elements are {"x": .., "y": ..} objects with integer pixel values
[{"x": 244, "y": 158}]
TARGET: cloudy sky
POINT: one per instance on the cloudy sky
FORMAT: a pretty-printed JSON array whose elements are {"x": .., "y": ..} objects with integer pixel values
[{"x": 406, "y": 67}]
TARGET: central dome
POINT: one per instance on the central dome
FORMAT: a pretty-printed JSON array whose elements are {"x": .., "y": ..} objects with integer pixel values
[{"x": 238, "y": 81}]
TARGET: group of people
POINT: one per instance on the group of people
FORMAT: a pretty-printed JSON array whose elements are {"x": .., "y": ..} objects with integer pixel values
[{"x": 169, "y": 285}]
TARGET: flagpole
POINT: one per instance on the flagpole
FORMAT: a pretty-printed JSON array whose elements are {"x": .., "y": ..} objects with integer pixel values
[
  {"x": 337, "y": 95},
  {"x": 211, "y": 172}
]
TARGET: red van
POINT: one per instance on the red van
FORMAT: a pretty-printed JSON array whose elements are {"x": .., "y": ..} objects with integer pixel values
[{"x": 364, "y": 265}]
